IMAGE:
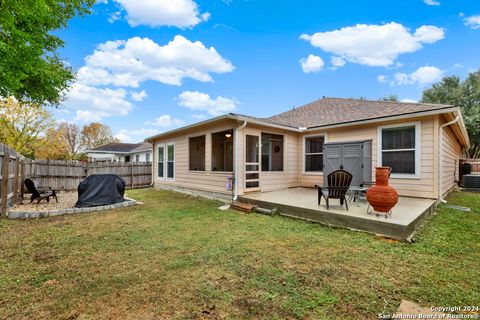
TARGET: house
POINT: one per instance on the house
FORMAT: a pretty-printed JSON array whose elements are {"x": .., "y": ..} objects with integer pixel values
[
  {"x": 121, "y": 152},
  {"x": 420, "y": 142}
]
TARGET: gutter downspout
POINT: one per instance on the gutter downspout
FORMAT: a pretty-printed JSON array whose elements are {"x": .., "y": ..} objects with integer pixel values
[
  {"x": 237, "y": 162},
  {"x": 440, "y": 165}
]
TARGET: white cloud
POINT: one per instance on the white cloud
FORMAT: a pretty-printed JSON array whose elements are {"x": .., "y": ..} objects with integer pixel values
[
  {"x": 311, "y": 64},
  {"x": 337, "y": 62},
  {"x": 473, "y": 21},
  {"x": 429, "y": 34},
  {"x": 136, "y": 135},
  {"x": 374, "y": 45},
  {"x": 382, "y": 78},
  {"x": 131, "y": 62},
  {"x": 201, "y": 101},
  {"x": 409, "y": 100},
  {"x": 431, "y": 2},
  {"x": 422, "y": 76},
  {"x": 155, "y": 13},
  {"x": 93, "y": 104},
  {"x": 138, "y": 95},
  {"x": 114, "y": 16},
  {"x": 165, "y": 121}
]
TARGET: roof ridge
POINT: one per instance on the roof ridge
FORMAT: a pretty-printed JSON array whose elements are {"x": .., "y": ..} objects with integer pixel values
[{"x": 387, "y": 101}]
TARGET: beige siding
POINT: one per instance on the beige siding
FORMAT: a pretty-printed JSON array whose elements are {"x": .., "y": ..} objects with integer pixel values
[
  {"x": 451, "y": 153},
  {"x": 201, "y": 180},
  {"x": 420, "y": 187},
  {"x": 293, "y": 175},
  {"x": 276, "y": 180}
]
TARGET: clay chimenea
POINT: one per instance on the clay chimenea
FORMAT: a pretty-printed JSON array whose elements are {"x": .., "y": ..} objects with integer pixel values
[{"x": 381, "y": 196}]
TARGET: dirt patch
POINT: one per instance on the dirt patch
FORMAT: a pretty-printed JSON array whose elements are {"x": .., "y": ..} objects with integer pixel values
[{"x": 66, "y": 200}]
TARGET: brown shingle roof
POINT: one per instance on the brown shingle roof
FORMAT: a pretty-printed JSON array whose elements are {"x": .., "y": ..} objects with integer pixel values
[
  {"x": 117, "y": 147},
  {"x": 329, "y": 111}
]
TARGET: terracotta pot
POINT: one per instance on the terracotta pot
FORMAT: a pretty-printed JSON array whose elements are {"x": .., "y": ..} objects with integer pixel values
[{"x": 381, "y": 196}]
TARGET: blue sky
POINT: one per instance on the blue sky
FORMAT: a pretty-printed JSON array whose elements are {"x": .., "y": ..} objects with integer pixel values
[{"x": 149, "y": 66}]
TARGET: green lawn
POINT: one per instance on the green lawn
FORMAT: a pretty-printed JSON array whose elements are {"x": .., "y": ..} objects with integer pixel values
[{"x": 179, "y": 257}]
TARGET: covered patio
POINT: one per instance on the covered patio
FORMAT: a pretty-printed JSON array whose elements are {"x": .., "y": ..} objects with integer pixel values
[{"x": 301, "y": 203}]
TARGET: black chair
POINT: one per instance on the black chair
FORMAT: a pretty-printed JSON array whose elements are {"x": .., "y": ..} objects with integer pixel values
[
  {"x": 39, "y": 193},
  {"x": 338, "y": 184}
]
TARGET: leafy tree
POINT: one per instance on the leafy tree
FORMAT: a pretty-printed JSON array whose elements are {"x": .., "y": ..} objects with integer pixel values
[
  {"x": 30, "y": 68},
  {"x": 96, "y": 134},
  {"x": 22, "y": 125},
  {"x": 465, "y": 94},
  {"x": 392, "y": 97},
  {"x": 71, "y": 135},
  {"x": 53, "y": 145}
]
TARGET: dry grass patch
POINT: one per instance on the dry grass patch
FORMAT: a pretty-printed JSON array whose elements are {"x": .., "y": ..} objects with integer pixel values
[{"x": 179, "y": 257}]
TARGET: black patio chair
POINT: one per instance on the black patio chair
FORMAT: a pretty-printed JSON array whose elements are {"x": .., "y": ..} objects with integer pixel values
[
  {"x": 338, "y": 184},
  {"x": 39, "y": 193}
]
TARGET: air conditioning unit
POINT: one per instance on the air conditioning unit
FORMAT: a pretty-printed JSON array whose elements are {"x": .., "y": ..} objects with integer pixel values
[{"x": 471, "y": 181}]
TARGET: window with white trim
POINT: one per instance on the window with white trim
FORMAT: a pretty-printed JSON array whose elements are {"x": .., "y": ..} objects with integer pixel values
[
  {"x": 314, "y": 153},
  {"x": 399, "y": 149},
  {"x": 170, "y": 161},
  {"x": 161, "y": 161}
]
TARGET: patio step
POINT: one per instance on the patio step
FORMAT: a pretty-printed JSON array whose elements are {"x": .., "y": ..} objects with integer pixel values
[{"x": 242, "y": 206}]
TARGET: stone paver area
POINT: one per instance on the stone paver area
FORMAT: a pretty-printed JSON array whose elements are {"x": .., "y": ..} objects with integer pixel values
[{"x": 66, "y": 200}]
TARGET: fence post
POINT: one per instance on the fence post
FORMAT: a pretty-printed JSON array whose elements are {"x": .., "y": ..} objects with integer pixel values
[
  {"x": 15, "y": 180},
  {"x": 22, "y": 177},
  {"x": 6, "y": 161},
  {"x": 131, "y": 176}
]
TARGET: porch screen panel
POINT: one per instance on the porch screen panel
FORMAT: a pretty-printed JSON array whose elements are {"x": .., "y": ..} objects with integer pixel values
[
  {"x": 272, "y": 152},
  {"x": 222, "y": 151},
  {"x": 398, "y": 149},
  {"x": 196, "y": 151}
]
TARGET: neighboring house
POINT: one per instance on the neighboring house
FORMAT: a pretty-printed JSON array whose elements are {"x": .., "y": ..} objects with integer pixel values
[
  {"x": 121, "y": 152},
  {"x": 421, "y": 142}
]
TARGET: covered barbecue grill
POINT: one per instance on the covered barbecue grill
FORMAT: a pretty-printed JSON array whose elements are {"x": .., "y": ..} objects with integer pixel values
[{"x": 99, "y": 190}]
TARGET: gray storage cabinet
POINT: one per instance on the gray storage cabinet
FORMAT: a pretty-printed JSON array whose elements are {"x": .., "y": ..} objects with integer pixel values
[{"x": 354, "y": 157}]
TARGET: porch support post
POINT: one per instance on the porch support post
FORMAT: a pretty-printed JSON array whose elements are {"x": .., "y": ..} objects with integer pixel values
[{"x": 236, "y": 158}]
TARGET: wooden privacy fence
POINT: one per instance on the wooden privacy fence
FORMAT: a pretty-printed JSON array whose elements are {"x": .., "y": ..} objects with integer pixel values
[
  {"x": 12, "y": 174},
  {"x": 66, "y": 175},
  {"x": 59, "y": 174},
  {"x": 475, "y": 163}
]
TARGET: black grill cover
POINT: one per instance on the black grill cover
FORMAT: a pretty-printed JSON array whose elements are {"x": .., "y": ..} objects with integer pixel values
[{"x": 100, "y": 190}]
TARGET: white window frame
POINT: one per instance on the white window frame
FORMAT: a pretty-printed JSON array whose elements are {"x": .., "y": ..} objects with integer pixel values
[
  {"x": 325, "y": 136},
  {"x": 161, "y": 145},
  {"x": 417, "y": 149},
  {"x": 166, "y": 160}
]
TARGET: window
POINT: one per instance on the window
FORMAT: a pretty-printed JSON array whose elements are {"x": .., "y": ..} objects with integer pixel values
[
  {"x": 196, "y": 151},
  {"x": 161, "y": 161},
  {"x": 314, "y": 153},
  {"x": 399, "y": 149},
  {"x": 147, "y": 157},
  {"x": 170, "y": 161},
  {"x": 222, "y": 151},
  {"x": 137, "y": 158},
  {"x": 272, "y": 152}
]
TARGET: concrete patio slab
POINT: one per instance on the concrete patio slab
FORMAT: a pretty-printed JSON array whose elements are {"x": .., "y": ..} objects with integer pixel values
[{"x": 301, "y": 203}]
